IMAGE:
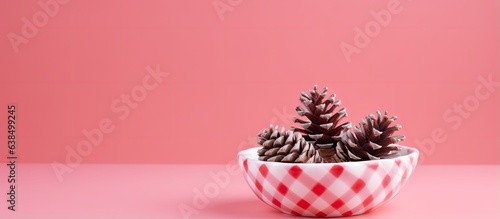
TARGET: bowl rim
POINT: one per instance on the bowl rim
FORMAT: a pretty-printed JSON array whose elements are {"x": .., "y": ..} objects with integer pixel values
[{"x": 251, "y": 155}]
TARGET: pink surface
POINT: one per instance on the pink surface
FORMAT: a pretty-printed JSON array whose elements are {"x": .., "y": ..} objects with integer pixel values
[
  {"x": 157, "y": 191},
  {"x": 232, "y": 73}
]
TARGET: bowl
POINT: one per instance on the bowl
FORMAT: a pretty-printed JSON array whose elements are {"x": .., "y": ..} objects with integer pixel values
[{"x": 327, "y": 189}]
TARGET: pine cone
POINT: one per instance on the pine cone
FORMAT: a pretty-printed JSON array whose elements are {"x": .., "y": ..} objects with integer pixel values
[
  {"x": 322, "y": 124},
  {"x": 371, "y": 140},
  {"x": 288, "y": 147}
]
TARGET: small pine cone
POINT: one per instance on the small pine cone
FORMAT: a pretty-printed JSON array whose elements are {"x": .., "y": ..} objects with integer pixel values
[
  {"x": 371, "y": 140},
  {"x": 322, "y": 124},
  {"x": 288, "y": 147}
]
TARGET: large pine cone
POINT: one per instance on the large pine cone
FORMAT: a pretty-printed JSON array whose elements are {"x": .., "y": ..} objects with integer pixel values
[
  {"x": 371, "y": 140},
  {"x": 288, "y": 147},
  {"x": 322, "y": 124}
]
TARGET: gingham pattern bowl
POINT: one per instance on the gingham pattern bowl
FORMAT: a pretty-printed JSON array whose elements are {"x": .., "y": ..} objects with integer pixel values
[{"x": 327, "y": 189}]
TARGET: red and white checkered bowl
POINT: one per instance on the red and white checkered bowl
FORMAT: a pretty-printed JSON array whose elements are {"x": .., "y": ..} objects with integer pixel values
[{"x": 327, "y": 189}]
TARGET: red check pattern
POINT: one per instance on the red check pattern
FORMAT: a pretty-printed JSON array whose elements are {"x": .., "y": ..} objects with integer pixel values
[{"x": 320, "y": 190}]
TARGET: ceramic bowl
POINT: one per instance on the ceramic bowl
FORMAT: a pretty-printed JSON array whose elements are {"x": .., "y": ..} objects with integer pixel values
[{"x": 327, "y": 189}]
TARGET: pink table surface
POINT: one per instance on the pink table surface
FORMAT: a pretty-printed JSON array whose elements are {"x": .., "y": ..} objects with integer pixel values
[{"x": 157, "y": 191}]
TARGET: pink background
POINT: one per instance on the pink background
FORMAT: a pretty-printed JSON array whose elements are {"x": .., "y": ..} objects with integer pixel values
[{"x": 230, "y": 78}]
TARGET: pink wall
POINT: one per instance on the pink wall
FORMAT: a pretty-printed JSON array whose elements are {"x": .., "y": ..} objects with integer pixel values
[{"x": 233, "y": 74}]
